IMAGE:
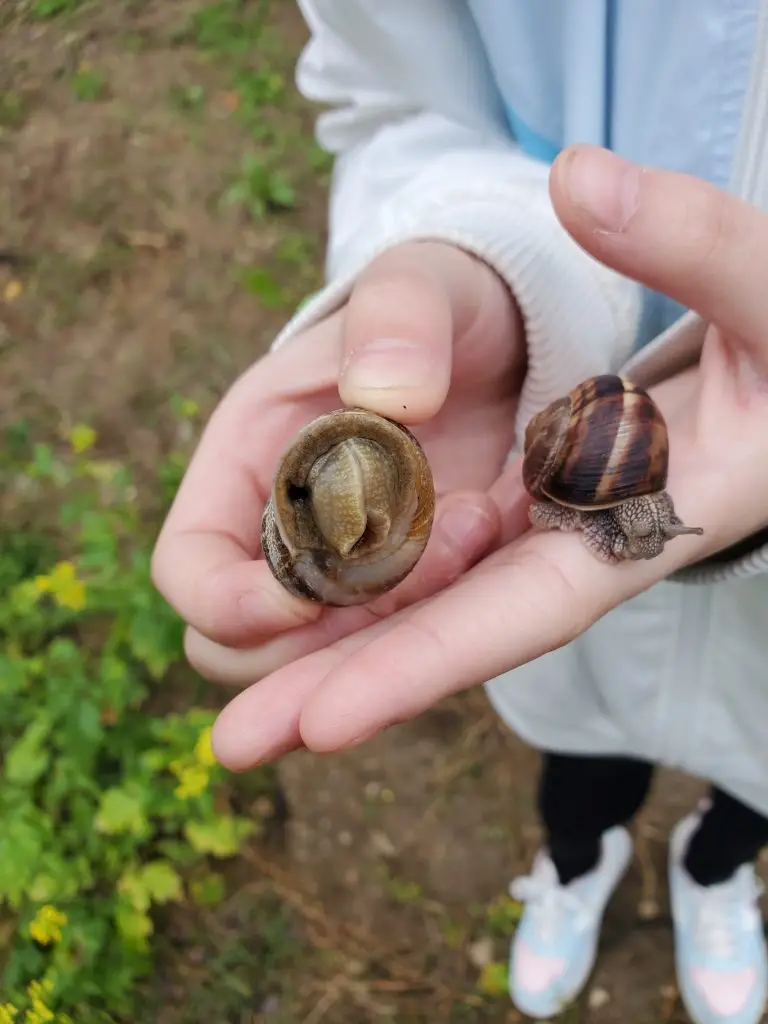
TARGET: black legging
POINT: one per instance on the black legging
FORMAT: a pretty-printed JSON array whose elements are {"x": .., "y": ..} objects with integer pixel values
[{"x": 581, "y": 797}]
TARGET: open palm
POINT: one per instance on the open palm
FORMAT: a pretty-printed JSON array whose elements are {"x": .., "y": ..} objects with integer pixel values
[
  {"x": 332, "y": 684},
  {"x": 208, "y": 561}
]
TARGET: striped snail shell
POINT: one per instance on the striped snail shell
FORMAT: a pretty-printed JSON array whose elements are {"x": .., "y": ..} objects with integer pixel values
[
  {"x": 597, "y": 460},
  {"x": 351, "y": 509}
]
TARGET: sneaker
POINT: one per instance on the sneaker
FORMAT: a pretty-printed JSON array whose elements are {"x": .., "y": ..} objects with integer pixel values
[
  {"x": 720, "y": 953},
  {"x": 555, "y": 944}
]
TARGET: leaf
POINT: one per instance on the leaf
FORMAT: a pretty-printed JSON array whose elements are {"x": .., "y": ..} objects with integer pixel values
[
  {"x": 42, "y": 460},
  {"x": 156, "y": 639},
  {"x": 28, "y": 758},
  {"x": 162, "y": 881},
  {"x": 221, "y": 836},
  {"x": 503, "y": 914},
  {"x": 281, "y": 194},
  {"x": 82, "y": 438},
  {"x": 121, "y": 812},
  {"x": 156, "y": 882},
  {"x": 493, "y": 980},
  {"x": 135, "y": 926},
  {"x": 259, "y": 282},
  {"x": 209, "y": 890},
  {"x": 22, "y": 841}
]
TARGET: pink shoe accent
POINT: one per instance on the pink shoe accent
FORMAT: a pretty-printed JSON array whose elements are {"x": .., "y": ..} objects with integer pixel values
[
  {"x": 533, "y": 972},
  {"x": 728, "y": 993}
]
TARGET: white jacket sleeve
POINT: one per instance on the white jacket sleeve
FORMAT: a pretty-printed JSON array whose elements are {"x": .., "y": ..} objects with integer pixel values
[{"x": 423, "y": 151}]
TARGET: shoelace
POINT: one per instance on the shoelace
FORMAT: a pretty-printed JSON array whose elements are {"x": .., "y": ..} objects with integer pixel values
[
  {"x": 721, "y": 915},
  {"x": 548, "y": 901}
]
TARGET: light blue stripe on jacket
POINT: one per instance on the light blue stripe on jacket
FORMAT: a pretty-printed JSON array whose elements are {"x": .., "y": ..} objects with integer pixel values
[{"x": 661, "y": 82}]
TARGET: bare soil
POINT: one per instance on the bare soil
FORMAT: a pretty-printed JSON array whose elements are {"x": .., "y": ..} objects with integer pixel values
[{"x": 125, "y": 276}]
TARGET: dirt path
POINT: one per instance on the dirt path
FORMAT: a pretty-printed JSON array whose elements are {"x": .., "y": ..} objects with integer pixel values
[{"x": 140, "y": 258}]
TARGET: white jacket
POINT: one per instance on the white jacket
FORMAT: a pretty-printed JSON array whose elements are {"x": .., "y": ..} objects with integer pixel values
[{"x": 441, "y": 129}]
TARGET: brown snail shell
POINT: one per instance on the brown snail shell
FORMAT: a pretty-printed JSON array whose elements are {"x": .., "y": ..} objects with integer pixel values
[
  {"x": 351, "y": 509},
  {"x": 597, "y": 461},
  {"x": 606, "y": 441}
]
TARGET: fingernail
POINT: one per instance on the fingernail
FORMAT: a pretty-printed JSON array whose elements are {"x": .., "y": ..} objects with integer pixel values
[
  {"x": 388, "y": 363},
  {"x": 605, "y": 186},
  {"x": 466, "y": 527}
]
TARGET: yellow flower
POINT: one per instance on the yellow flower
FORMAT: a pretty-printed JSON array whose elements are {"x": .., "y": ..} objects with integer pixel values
[
  {"x": 193, "y": 782},
  {"x": 193, "y": 779},
  {"x": 8, "y": 1013},
  {"x": 39, "y": 1015},
  {"x": 203, "y": 749},
  {"x": 38, "y": 992},
  {"x": 62, "y": 583},
  {"x": 12, "y": 291},
  {"x": 46, "y": 929}
]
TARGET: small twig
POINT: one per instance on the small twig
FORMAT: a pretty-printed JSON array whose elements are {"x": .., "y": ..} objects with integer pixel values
[
  {"x": 323, "y": 1005},
  {"x": 346, "y": 938}
]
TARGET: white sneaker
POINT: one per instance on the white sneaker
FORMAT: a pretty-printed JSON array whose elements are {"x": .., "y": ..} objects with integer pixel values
[
  {"x": 720, "y": 953},
  {"x": 555, "y": 944}
]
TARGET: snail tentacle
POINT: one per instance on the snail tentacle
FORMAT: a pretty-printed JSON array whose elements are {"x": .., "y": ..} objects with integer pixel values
[{"x": 597, "y": 461}]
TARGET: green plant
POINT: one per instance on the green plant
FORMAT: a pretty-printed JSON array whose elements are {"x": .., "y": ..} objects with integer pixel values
[
  {"x": 229, "y": 26},
  {"x": 188, "y": 98},
  {"x": 256, "y": 89},
  {"x": 49, "y": 9},
  {"x": 12, "y": 110},
  {"x": 87, "y": 84},
  {"x": 260, "y": 282},
  {"x": 260, "y": 189},
  {"x": 108, "y": 810}
]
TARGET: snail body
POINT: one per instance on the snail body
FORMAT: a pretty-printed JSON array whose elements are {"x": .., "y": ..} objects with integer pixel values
[
  {"x": 597, "y": 461},
  {"x": 351, "y": 509}
]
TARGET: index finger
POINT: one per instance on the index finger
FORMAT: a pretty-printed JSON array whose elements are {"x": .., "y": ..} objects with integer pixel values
[{"x": 672, "y": 232}]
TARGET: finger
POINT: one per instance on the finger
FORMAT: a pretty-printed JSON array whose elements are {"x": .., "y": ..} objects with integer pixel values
[
  {"x": 534, "y": 598},
  {"x": 406, "y": 311},
  {"x": 205, "y": 561},
  {"x": 509, "y": 607},
  {"x": 262, "y": 723},
  {"x": 466, "y": 525},
  {"x": 672, "y": 232}
]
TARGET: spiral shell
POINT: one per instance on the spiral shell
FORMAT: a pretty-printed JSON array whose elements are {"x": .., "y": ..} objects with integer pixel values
[
  {"x": 351, "y": 509},
  {"x": 604, "y": 442}
]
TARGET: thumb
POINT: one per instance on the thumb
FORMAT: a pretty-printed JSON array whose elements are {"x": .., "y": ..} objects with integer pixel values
[
  {"x": 671, "y": 232},
  {"x": 407, "y": 310}
]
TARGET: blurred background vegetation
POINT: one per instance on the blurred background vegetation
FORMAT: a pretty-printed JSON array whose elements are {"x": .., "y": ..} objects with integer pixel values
[{"x": 162, "y": 213}]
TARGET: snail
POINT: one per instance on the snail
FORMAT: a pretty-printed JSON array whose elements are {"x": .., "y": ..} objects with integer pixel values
[
  {"x": 351, "y": 509},
  {"x": 597, "y": 461}
]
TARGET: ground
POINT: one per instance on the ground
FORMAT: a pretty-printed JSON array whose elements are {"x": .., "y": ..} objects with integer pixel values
[{"x": 163, "y": 211}]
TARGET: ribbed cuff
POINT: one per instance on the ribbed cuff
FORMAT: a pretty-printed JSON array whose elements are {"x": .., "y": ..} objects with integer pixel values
[
  {"x": 676, "y": 349},
  {"x": 580, "y": 317}
]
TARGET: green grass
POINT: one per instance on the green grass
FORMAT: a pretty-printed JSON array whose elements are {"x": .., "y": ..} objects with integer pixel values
[
  {"x": 228, "y": 27},
  {"x": 51, "y": 8},
  {"x": 88, "y": 85}
]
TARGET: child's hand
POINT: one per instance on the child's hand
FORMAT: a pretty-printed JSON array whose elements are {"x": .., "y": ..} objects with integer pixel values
[
  {"x": 539, "y": 591},
  {"x": 420, "y": 315}
]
